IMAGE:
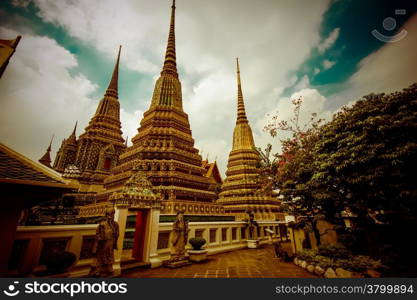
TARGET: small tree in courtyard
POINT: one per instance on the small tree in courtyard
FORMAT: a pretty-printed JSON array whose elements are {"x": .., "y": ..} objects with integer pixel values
[
  {"x": 363, "y": 160},
  {"x": 366, "y": 159},
  {"x": 291, "y": 170}
]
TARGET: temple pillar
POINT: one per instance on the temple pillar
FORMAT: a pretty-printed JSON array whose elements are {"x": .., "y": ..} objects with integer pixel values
[
  {"x": 151, "y": 245},
  {"x": 120, "y": 217}
]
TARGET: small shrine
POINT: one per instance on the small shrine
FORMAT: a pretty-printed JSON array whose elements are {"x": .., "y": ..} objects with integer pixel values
[{"x": 137, "y": 196}]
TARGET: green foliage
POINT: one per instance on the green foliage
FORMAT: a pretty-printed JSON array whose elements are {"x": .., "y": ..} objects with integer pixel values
[
  {"x": 306, "y": 254},
  {"x": 197, "y": 242},
  {"x": 358, "y": 263},
  {"x": 363, "y": 159},
  {"x": 333, "y": 251},
  {"x": 323, "y": 261},
  {"x": 332, "y": 258},
  {"x": 366, "y": 156}
]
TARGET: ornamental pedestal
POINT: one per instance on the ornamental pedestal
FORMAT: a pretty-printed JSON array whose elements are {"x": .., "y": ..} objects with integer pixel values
[
  {"x": 197, "y": 256},
  {"x": 252, "y": 244}
]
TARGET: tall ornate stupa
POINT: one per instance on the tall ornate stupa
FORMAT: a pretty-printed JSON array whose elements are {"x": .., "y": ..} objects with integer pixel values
[
  {"x": 164, "y": 147},
  {"x": 46, "y": 158},
  {"x": 102, "y": 142},
  {"x": 97, "y": 150},
  {"x": 240, "y": 190},
  {"x": 67, "y": 152}
]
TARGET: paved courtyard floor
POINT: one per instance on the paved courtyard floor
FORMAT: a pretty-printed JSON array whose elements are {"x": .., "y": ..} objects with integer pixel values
[{"x": 255, "y": 263}]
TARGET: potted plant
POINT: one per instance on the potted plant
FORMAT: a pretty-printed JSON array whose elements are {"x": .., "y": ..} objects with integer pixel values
[{"x": 197, "y": 254}]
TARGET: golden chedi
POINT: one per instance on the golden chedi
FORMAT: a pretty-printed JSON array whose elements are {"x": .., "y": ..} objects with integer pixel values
[
  {"x": 164, "y": 147},
  {"x": 240, "y": 190},
  {"x": 98, "y": 148}
]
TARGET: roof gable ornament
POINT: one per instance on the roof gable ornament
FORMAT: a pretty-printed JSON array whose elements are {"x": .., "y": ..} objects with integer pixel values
[{"x": 137, "y": 192}]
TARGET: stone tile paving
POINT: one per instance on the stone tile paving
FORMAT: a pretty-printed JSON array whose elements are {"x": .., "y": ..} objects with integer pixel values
[{"x": 247, "y": 263}]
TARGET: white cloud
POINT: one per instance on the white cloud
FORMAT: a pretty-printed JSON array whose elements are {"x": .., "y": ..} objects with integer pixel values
[
  {"x": 40, "y": 98},
  {"x": 313, "y": 102},
  {"x": 130, "y": 123},
  {"x": 38, "y": 85},
  {"x": 107, "y": 24},
  {"x": 329, "y": 41},
  {"x": 303, "y": 83},
  {"x": 391, "y": 68},
  {"x": 327, "y": 64},
  {"x": 209, "y": 37}
]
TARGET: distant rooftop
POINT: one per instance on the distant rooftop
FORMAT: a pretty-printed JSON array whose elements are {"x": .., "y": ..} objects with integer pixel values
[{"x": 18, "y": 169}]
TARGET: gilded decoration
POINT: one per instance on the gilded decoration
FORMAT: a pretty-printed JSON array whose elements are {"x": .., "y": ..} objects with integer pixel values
[
  {"x": 240, "y": 189},
  {"x": 164, "y": 145},
  {"x": 136, "y": 193}
]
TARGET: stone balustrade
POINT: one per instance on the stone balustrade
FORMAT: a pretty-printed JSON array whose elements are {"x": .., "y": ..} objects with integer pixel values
[
  {"x": 33, "y": 242},
  {"x": 220, "y": 236}
]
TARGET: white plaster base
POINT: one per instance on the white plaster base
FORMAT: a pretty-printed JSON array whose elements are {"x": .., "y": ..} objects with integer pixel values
[
  {"x": 155, "y": 261},
  {"x": 252, "y": 244},
  {"x": 197, "y": 255}
]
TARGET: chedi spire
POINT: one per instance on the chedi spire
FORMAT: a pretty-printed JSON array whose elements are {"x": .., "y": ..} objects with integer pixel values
[
  {"x": 170, "y": 63},
  {"x": 112, "y": 89},
  {"x": 46, "y": 158},
  {"x": 241, "y": 113}
]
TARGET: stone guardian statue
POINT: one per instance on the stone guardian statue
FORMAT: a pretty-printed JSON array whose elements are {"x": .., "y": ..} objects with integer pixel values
[
  {"x": 252, "y": 240},
  {"x": 105, "y": 243},
  {"x": 179, "y": 238}
]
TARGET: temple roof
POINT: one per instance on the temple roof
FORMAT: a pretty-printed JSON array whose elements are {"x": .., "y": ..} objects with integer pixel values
[
  {"x": 16, "y": 168},
  {"x": 11, "y": 43},
  {"x": 212, "y": 171},
  {"x": 7, "y": 48}
]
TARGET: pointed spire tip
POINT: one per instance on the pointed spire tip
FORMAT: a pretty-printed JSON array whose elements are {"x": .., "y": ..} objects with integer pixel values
[
  {"x": 75, "y": 128},
  {"x": 50, "y": 143},
  {"x": 170, "y": 63},
  {"x": 241, "y": 113},
  {"x": 112, "y": 89}
]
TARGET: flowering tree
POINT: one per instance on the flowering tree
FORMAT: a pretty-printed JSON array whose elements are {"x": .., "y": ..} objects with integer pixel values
[
  {"x": 364, "y": 159},
  {"x": 291, "y": 170}
]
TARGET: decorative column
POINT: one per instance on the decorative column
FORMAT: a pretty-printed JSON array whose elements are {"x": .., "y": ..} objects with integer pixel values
[
  {"x": 120, "y": 217},
  {"x": 153, "y": 223}
]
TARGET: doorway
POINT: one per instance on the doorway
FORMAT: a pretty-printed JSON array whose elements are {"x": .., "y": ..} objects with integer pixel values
[{"x": 135, "y": 236}]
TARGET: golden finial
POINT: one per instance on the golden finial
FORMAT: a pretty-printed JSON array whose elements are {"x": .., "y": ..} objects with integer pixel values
[
  {"x": 112, "y": 90},
  {"x": 170, "y": 63},
  {"x": 241, "y": 113},
  {"x": 75, "y": 128},
  {"x": 50, "y": 144}
]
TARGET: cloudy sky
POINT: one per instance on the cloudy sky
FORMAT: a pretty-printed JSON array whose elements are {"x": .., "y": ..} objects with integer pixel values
[{"x": 321, "y": 50}]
